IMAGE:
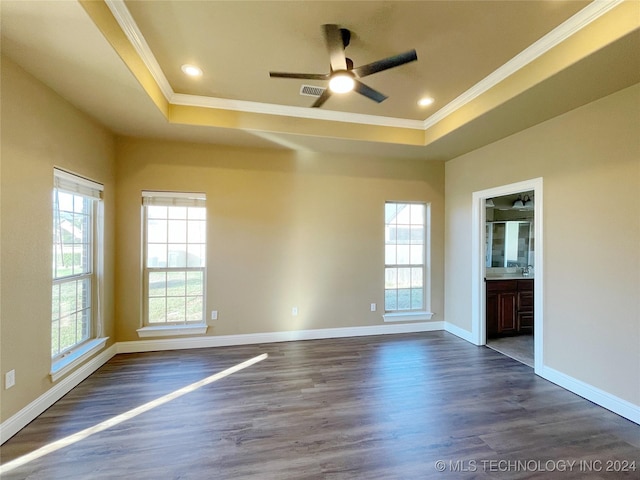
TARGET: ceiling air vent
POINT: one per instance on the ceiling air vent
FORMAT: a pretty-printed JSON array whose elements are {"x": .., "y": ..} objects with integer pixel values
[{"x": 311, "y": 90}]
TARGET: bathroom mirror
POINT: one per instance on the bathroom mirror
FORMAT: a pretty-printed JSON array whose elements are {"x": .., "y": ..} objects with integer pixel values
[{"x": 509, "y": 244}]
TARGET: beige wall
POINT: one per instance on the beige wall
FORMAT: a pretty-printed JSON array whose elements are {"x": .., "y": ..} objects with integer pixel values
[
  {"x": 589, "y": 159},
  {"x": 285, "y": 229},
  {"x": 39, "y": 131}
]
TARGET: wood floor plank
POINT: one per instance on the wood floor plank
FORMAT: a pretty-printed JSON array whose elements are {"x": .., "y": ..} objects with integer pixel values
[{"x": 380, "y": 407}]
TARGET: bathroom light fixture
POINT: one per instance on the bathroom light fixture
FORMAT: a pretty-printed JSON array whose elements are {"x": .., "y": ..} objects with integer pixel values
[
  {"x": 518, "y": 203},
  {"x": 489, "y": 202},
  {"x": 528, "y": 202},
  {"x": 191, "y": 70}
]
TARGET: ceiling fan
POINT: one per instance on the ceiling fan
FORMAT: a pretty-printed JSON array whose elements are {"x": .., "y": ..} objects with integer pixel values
[{"x": 343, "y": 77}]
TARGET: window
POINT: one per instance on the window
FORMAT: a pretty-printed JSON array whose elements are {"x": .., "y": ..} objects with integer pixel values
[
  {"x": 174, "y": 257},
  {"x": 75, "y": 257},
  {"x": 405, "y": 257}
]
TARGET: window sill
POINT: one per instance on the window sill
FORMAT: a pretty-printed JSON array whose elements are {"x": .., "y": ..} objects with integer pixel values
[
  {"x": 67, "y": 363},
  {"x": 172, "y": 330},
  {"x": 407, "y": 316}
]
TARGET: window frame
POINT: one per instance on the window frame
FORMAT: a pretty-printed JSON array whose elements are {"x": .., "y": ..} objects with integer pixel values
[
  {"x": 91, "y": 192},
  {"x": 170, "y": 199},
  {"x": 422, "y": 313}
]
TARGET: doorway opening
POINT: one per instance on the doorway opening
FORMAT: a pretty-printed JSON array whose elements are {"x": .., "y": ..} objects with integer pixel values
[{"x": 507, "y": 271}]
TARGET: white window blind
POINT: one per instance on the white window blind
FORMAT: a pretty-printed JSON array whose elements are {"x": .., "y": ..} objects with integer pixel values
[
  {"x": 74, "y": 184},
  {"x": 173, "y": 199}
]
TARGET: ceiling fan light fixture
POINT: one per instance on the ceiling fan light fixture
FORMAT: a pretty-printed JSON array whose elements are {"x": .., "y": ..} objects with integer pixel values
[
  {"x": 191, "y": 70},
  {"x": 341, "y": 82}
]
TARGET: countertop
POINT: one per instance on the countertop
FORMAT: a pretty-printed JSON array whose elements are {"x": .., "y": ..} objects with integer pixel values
[{"x": 508, "y": 276}]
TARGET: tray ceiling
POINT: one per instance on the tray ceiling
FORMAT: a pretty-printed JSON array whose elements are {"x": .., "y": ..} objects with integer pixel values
[{"x": 477, "y": 60}]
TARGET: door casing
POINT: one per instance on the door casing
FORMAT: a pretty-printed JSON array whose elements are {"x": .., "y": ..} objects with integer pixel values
[{"x": 478, "y": 291}]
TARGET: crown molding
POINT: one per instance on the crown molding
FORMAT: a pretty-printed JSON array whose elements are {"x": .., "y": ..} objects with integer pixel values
[
  {"x": 289, "y": 111},
  {"x": 584, "y": 17},
  {"x": 130, "y": 28}
]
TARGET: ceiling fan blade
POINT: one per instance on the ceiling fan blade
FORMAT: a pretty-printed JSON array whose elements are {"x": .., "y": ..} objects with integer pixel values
[
  {"x": 335, "y": 46},
  {"x": 305, "y": 76},
  {"x": 386, "y": 63},
  {"x": 322, "y": 98},
  {"x": 368, "y": 92}
]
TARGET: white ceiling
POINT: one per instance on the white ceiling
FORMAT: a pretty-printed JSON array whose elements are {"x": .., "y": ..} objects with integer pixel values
[{"x": 468, "y": 52}]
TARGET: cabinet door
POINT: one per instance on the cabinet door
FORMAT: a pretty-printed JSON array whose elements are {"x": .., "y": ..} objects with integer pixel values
[
  {"x": 525, "y": 308},
  {"x": 507, "y": 319},
  {"x": 492, "y": 315},
  {"x": 525, "y": 322},
  {"x": 525, "y": 301}
]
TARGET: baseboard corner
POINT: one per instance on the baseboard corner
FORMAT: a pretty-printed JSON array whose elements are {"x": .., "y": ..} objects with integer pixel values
[
  {"x": 459, "y": 332},
  {"x": 18, "y": 421}
]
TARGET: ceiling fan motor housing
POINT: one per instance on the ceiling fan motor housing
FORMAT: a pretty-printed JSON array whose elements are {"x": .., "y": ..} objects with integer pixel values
[{"x": 346, "y": 37}]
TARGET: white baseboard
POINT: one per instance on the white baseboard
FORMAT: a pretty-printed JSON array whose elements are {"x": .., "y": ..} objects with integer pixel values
[
  {"x": 459, "y": 332},
  {"x": 606, "y": 400},
  {"x": 272, "y": 337},
  {"x": 17, "y": 422}
]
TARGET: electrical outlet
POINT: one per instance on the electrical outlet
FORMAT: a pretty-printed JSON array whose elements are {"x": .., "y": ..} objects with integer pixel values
[
  {"x": 214, "y": 314},
  {"x": 294, "y": 311},
  {"x": 373, "y": 307},
  {"x": 9, "y": 379}
]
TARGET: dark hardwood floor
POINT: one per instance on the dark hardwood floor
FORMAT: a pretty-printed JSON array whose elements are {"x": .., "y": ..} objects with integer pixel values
[{"x": 380, "y": 407}]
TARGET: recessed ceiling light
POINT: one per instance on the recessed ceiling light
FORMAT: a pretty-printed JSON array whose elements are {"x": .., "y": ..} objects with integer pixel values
[
  {"x": 425, "y": 102},
  {"x": 191, "y": 70}
]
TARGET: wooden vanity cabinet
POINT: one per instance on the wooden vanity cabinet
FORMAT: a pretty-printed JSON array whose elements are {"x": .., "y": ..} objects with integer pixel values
[
  {"x": 525, "y": 306},
  {"x": 509, "y": 307}
]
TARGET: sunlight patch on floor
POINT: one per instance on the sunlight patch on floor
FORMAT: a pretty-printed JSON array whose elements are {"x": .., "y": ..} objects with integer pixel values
[{"x": 81, "y": 435}]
